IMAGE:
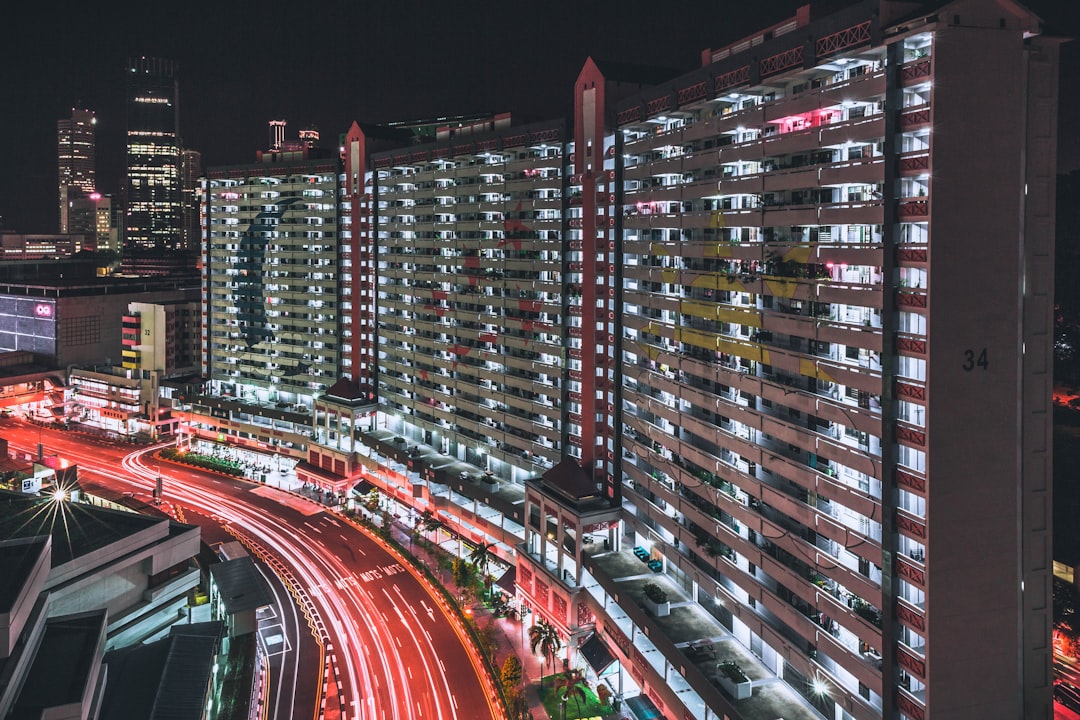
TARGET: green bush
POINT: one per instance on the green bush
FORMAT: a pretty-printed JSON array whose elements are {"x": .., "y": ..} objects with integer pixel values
[
  {"x": 205, "y": 462},
  {"x": 655, "y": 593},
  {"x": 733, "y": 672}
]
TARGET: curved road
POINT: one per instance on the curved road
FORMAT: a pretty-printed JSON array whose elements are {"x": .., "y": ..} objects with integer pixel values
[{"x": 391, "y": 648}]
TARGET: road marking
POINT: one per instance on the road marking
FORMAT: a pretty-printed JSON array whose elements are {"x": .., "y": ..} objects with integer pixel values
[{"x": 313, "y": 527}]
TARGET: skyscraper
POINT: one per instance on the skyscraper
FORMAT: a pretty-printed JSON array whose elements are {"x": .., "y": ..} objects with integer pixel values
[
  {"x": 75, "y": 159},
  {"x": 153, "y": 155},
  {"x": 190, "y": 170}
]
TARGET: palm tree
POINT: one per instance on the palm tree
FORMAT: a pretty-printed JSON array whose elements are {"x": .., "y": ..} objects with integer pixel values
[
  {"x": 571, "y": 684},
  {"x": 480, "y": 557},
  {"x": 545, "y": 637}
]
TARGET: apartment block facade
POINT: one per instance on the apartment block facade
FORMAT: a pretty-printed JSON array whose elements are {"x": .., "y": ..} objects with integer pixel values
[
  {"x": 803, "y": 360},
  {"x": 470, "y": 292},
  {"x": 773, "y": 335},
  {"x": 271, "y": 267}
]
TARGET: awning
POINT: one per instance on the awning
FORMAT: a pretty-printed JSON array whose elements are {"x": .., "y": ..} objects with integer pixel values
[
  {"x": 363, "y": 487},
  {"x": 507, "y": 581},
  {"x": 597, "y": 654}
]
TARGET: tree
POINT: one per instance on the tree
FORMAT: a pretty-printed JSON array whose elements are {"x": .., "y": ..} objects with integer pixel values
[
  {"x": 571, "y": 685},
  {"x": 371, "y": 500},
  {"x": 429, "y": 521},
  {"x": 462, "y": 572},
  {"x": 480, "y": 557},
  {"x": 545, "y": 637},
  {"x": 511, "y": 674},
  {"x": 603, "y": 694}
]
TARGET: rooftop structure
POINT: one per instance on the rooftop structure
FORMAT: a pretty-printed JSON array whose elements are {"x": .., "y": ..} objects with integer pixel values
[{"x": 77, "y": 581}]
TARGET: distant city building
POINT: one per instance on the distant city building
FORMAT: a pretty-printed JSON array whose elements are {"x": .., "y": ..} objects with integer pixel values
[
  {"x": 309, "y": 137},
  {"x": 277, "y": 134},
  {"x": 92, "y": 215},
  {"x": 163, "y": 337},
  {"x": 153, "y": 187},
  {"x": 75, "y": 160},
  {"x": 190, "y": 171},
  {"x": 77, "y": 319},
  {"x": 24, "y": 246}
]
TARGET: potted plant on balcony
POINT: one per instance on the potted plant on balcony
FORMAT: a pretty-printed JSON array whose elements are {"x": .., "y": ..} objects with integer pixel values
[
  {"x": 656, "y": 599},
  {"x": 733, "y": 680}
]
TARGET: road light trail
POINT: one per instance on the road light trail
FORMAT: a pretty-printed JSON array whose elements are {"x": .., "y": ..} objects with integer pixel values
[
  {"x": 340, "y": 610},
  {"x": 389, "y": 666}
]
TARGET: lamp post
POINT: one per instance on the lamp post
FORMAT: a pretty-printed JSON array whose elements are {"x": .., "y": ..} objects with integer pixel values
[{"x": 158, "y": 486}]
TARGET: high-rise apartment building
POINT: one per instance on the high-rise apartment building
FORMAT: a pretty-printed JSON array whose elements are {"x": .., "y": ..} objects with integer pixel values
[
  {"x": 772, "y": 260},
  {"x": 271, "y": 273},
  {"x": 162, "y": 337},
  {"x": 773, "y": 335},
  {"x": 153, "y": 188},
  {"x": 75, "y": 160},
  {"x": 470, "y": 264}
]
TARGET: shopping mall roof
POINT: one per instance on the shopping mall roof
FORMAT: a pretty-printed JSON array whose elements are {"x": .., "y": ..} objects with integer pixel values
[
  {"x": 162, "y": 680},
  {"x": 62, "y": 666},
  {"x": 76, "y": 529},
  {"x": 17, "y": 561},
  {"x": 240, "y": 584}
]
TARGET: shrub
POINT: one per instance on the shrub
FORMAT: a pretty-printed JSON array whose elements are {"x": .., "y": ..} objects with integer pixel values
[
  {"x": 733, "y": 672},
  {"x": 655, "y": 593},
  {"x": 206, "y": 462}
]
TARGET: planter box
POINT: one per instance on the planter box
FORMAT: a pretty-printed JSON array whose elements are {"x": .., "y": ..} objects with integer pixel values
[
  {"x": 739, "y": 691},
  {"x": 657, "y": 609}
]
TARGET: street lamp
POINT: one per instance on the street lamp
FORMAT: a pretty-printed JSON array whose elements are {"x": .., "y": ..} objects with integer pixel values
[{"x": 158, "y": 486}]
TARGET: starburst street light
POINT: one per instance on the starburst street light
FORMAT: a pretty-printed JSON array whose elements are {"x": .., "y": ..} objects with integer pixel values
[
  {"x": 819, "y": 686},
  {"x": 60, "y": 495}
]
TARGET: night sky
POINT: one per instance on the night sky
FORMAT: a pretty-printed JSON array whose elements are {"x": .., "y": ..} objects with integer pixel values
[{"x": 327, "y": 63}]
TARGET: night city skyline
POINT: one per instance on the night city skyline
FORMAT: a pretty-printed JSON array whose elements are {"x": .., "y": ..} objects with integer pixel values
[
  {"x": 696, "y": 361},
  {"x": 244, "y": 65}
]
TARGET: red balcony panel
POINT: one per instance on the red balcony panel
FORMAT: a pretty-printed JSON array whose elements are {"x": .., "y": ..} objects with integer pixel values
[
  {"x": 914, "y": 163},
  {"x": 915, "y": 71},
  {"x": 912, "y": 255},
  {"x": 910, "y": 662},
  {"x": 910, "y": 707},
  {"x": 907, "y": 390},
  {"x": 914, "y": 208},
  {"x": 911, "y": 527},
  {"x": 911, "y": 300},
  {"x": 910, "y": 573},
  {"x": 913, "y": 118},
  {"x": 911, "y": 618}
]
